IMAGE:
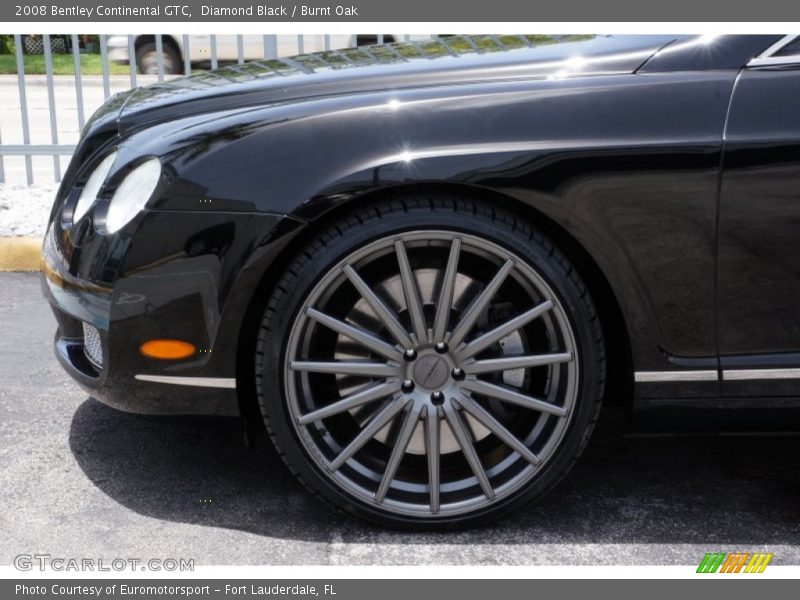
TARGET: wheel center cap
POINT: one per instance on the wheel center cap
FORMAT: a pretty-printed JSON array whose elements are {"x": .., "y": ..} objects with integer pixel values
[{"x": 431, "y": 372}]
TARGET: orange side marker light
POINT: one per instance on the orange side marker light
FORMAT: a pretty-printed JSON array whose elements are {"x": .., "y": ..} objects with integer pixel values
[{"x": 167, "y": 349}]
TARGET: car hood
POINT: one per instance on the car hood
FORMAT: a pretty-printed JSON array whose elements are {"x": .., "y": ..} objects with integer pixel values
[{"x": 447, "y": 61}]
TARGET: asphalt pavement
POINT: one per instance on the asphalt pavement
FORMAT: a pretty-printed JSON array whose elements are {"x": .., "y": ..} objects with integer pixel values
[{"x": 79, "y": 479}]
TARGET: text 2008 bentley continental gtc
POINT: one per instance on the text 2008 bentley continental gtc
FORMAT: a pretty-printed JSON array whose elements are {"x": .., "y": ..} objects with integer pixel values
[{"x": 422, "y": 267}]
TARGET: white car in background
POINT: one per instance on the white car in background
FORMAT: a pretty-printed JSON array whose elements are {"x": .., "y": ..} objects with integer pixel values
[{"x": 227, "y": 48}]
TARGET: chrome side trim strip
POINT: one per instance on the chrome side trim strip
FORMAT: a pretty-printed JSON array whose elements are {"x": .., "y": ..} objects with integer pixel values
[
  {"x": 639, "y": 377},
  {"x": 209, "y": 382},
  {"x": 664, "y": 376},
  {"x": 747, "y": 374},
  {"x": 775, "y": 61}
]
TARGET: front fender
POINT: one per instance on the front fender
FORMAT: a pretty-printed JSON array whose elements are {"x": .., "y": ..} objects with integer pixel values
[{"x": 626, "y": 164}]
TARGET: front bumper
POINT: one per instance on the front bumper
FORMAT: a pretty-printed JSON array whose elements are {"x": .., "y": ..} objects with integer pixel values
[
  {"x": 121, "y": 390},
  {"x": 178, "y": 276}
]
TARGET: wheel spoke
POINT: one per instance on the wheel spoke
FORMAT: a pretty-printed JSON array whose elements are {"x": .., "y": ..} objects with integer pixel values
[
  {"x": 356, "y": 334},
  {"x": 465, "y": 442},
  {"x": 362, "y": 368},
  {"x": 386, "y": 315},
  {"x": 368, "y": 432},
  {"x": 446, "y": 295},
  {"x": 364, "y": 396},
  {"x": 478, "y": 305},
  {"x": 400, "y": 445},
  {"x": 507, "y": 395},
  {"x": 496, "y": 427},
  {"x": 411, "y": 291},
  {"x": 432, "y": 447},
  {"x": 515, "y": 362},
  {"x": 498, "y": 333}
]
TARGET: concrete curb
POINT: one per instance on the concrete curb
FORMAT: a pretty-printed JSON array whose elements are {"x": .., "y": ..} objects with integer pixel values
[{"x": 20, "y": 253}]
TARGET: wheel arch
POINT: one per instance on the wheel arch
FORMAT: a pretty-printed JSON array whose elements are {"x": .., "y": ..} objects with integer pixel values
[{"x": 619, "y": 382}]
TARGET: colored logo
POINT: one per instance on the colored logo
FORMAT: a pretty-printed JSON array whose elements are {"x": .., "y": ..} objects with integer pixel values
[{"x": 735, "y": 562}]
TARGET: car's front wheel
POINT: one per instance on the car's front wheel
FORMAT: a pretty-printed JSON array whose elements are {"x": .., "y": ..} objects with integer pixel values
[{"x": 430, "y": 362}]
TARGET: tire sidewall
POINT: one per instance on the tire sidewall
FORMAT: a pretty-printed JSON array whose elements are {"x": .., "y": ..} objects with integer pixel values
[{"x": 342, "y": 239}]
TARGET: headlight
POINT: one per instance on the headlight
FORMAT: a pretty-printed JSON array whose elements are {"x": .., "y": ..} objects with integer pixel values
[
  {"x": 132, "y": 194},
  {"x": 92, "y": 187}
]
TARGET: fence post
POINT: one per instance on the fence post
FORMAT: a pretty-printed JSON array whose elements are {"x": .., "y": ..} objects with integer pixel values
[
  {"x": 132, "y": 60},
  {"x": 160, "y": 57},
  {"x": 187, "y": 57},
  {"x": 51, "y": 99},
  {"x": 76, "y": 59},
  {"x": 214, "y": 62},
  {"x": 240, "y": 49},
  {"x": 23, "y": 104},
  {"x": 104, "y": 64},
  {"x": 270, "y": 46}
]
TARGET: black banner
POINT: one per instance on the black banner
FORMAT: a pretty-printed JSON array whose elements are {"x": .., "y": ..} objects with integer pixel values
[
  {"x": 98, "y": 11},
  {"x": 372, "y": 589}
]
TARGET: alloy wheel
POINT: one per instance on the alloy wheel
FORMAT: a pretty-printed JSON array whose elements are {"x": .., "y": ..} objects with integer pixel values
[{"x": 431, "y": 373}]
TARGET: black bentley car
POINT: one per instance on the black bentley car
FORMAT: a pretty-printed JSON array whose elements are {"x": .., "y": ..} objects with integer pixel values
[{"x": 422, "y": 267}]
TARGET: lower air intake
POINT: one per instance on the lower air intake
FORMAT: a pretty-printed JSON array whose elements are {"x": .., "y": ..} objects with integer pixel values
[{"x": 93, "y": 345}]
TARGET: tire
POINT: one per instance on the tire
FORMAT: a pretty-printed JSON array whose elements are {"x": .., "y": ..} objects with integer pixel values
[
  {"x": 147, "y": 59},
  {"x": 504, "y": 438}
]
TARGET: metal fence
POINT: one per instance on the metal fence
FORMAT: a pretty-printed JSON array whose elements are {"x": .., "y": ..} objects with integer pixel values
[{"x": 36, "y": 139}]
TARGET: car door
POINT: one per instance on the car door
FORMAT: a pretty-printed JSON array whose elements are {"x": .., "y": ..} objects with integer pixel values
[{"x": 758, "y": 287}]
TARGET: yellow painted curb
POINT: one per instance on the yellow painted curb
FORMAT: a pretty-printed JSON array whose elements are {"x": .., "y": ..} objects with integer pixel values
[{"x": 20, "y": 254}]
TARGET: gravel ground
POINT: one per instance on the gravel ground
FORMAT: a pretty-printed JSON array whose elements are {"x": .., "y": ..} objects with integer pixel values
[
  {"x": 80, "y": 479},
  {"x": 24, "y": 210}
]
